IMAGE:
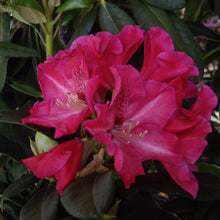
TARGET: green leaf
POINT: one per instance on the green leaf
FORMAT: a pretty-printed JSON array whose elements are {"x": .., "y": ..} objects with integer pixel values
[
  {"x": 73, "y": 4},
  {"x": 89, "y": 197},
  {"x": 189, "y": 44},
  {"x": 199, "y": 29},
  {"x": 16, "y": 50},
  {"x": 209, "y": 186},
  {"x": 217, "y": 6},
  {"x": 209, "y": 168},
  {"x": 112, "y": 18},
  {"x": 169, "y": 5},
  {"x": 85, "y": 26},
  {"x": 12, "y": 116},
  {"x": 25, "y": 88},
  {"x": 31, "y": 15},
  {"x": 18, "y": 186},
  {"x": 194, "y": 10},
  {"x": 27, "y": 3},
  {"x": 4, "y": 36},
  {"x": 148, "y": 16},
  {"x": 42, "y": 205},
  {"x": 12, "y": 11}
]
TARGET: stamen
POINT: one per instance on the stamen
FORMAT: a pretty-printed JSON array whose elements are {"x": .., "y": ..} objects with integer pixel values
[{"x": 72, "y": 103}]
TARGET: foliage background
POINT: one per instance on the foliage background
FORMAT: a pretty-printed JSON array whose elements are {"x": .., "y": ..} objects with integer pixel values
[{"x": 26, "y": 30}]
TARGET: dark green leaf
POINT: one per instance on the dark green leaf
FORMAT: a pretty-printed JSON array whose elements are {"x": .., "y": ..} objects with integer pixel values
[
  {"x": 3, "y": 104},
  {"x": 16, "y": 50},
  {"x": 30, "y": 4},
  {"x": 170, "y": 5},
  {"x": 209, "y": 186},
  {"x": 209, "y": 168},
  {"x": 112, "y": 18},
  {"x": 25, "y": 88},
  {"x": 12, "y": 116},
  {"x": 18, "y": 186},
  {"x": 103, "y": 192},
  {"x": 139, "y": 204},
  {"x": 148, "y": 16},
  {"x": 217, "y": 6},
  {"x": 189, "y": 44},
  {"x": 85, "y": 26},
  {"x": 73, "y": 4},
  {"x": 4, "y": 36},
  {"x": 42, "y": 205},
  {"x": 194, "y": 10},
  {"x": 3, "y": 177},
  {"x": 199, "y": 29},
  {"x": 89, "y": 197}
]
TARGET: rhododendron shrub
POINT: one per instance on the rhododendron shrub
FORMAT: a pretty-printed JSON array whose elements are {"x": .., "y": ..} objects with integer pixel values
[{"x": 137, "y": 115}]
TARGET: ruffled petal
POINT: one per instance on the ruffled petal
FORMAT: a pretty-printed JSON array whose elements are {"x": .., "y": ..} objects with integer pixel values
[{"x": 65, "y": 120}]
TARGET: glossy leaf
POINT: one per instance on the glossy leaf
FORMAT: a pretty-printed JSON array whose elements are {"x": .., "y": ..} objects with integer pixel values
[
  {"x": 12, "y": 116},
  {"x": 18, "y": 186},
  {"x": 209, "y": 185},
  {"x": 89, "y": 197},
  {"x": 27, "y": 3},
  {"x": 4, "y": 36},
  {"x": 148, "y": 16},
  {"x": 16, "y": 50},
  {"x": 73, "y": 4},
  {"x": 85, "y": 26},
  {"x": 169, "y": 5},
  {"x": 190, "y": 45},
  {"x": 25, "y": 88},
  {"x": 193, "y": 10},
  {"x": 31, "y": 15},
  {"x": 112, "y": 18},
  {"x": 199, "y": 29},
  {"x": 42, "y": 205},
  {"x": 13, "y": 11},
  {"x": 139, "y": 204},
  {"x": 209, "y": 168}
]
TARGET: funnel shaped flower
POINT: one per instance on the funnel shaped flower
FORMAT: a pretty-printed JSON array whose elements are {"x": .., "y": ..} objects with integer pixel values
[
  {"x": 67, "y": 91},
  {"x": 61, "y": 162},
  {"x": 133, "y": 127}
]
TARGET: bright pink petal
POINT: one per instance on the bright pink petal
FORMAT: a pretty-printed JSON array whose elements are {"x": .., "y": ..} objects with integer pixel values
[
  {"x": 131, "y": 38},
  {"x": 183, "y": 176},
  {"x": 63, "y": 76},
  {"x": 61, "y": 162},
  {"x": 205, "y": 103},
  {"x": 65, "y": 119},
  {"x": 156, "y": 41},
  {"x": 171, "y": 64}
]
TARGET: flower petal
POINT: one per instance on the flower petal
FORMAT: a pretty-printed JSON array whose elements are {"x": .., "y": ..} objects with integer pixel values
[
  {"x": 156, "y": 40},
  {"x": 64, "y": 120}
]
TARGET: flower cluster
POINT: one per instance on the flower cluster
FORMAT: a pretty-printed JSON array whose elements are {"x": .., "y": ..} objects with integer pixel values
[{"x": 137, "y": 115}]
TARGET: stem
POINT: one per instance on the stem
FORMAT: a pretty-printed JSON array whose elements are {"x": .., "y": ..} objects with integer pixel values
[{"x": 49, "y": 38}]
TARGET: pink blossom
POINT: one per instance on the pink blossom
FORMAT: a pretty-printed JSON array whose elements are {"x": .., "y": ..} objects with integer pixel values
[
  {"x": 61, "y": 162},
  {"x": 67, "y": 91}
]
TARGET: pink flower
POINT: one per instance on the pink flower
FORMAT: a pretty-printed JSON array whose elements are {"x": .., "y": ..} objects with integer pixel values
[
  {"x": 68, "y": 93},
  {"x": 133, "y": 127},
  {"x": 146, "y": 120},
  {"x": 70, "y": 81},
  {"x": 61, "y": 162}
]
